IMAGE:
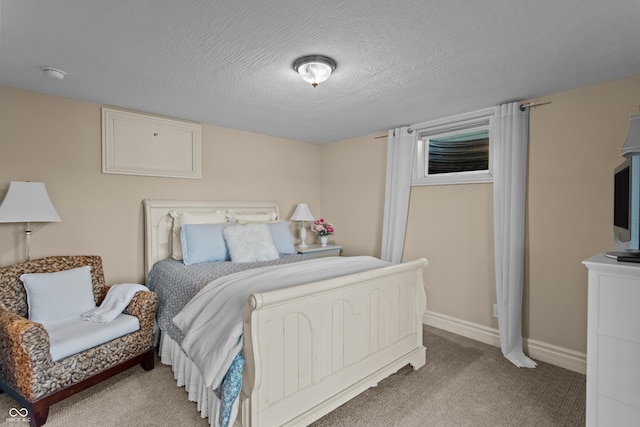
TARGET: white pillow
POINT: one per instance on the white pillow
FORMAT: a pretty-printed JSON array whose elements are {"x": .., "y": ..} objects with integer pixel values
[
  {"x": 245, "y": 218},
  {"x": 57, "y": 296},
  {"x": 182, "y": 218},
  {"x": 250, "y": 242}
]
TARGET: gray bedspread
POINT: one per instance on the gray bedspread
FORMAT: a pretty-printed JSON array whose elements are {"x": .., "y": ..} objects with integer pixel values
[{"x": 176, "y": 284}]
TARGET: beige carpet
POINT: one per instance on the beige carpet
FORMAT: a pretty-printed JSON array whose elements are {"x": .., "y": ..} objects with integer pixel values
[{"x": 464, "y": 383}]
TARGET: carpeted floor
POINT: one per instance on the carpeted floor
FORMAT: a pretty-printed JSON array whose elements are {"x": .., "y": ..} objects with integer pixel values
[
  {"x": 464, "y": 383},
  {"x": 467, "y": 383}
]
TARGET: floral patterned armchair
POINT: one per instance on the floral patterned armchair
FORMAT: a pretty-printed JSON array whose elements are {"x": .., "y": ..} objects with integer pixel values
[{"x": 27, "y": 371}]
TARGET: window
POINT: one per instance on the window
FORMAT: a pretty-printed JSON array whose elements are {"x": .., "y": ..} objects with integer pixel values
[{"x": 454, "y": 150}]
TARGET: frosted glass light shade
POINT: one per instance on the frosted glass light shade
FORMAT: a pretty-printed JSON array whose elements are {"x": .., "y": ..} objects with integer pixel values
[
  {"x": 314, "y": 68},
  {"x": 632, "y": 143},
  {"x": 27, "y": 202}
]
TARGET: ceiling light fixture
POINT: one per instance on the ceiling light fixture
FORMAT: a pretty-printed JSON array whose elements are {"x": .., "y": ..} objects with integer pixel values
[
  {"x": 54, "y": 73},
  {"x": 314, "y": 68}
]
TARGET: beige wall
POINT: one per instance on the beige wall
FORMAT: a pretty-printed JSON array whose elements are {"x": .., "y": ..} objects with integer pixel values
[
  {"x": 452, "y": 226},
  {"x": 58, "y": 141},
  {"x": 575, "y": 144},
  {"x": 574, "y": 147},
  {"x": 353, "y": 182}
]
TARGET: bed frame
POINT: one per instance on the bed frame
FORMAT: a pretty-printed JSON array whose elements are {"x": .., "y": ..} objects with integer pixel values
[{"x": 311, "y": 348}]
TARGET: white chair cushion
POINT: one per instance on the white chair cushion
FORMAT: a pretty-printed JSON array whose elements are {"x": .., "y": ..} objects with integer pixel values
[
  {"x": 53, "y": 297},
  {"x": 74, "y": 335}
]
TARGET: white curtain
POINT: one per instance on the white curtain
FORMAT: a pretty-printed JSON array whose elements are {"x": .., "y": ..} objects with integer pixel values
[
  {"x": 510, "y": 138},
  {"x": 400, "y": 152}
]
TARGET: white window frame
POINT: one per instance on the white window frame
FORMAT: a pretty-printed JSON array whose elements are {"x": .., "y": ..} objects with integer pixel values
[{"x": 449, "y": 126}]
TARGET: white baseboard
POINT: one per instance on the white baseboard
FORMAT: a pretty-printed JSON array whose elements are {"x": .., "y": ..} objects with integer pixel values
[{"x": 537, "y": 350}]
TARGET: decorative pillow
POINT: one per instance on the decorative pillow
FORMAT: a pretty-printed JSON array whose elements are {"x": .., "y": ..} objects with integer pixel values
[
  {"x": 203, "y": 243},
  {"x": 282, "y": 237},
  {"x": 245, "y": 218},
  {"x": 250, "y": 242},
  {"x": 57, "y": 296},
  {"x": 182, "y": 218}
]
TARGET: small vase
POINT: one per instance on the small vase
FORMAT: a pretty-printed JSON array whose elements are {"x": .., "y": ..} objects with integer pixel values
[{"x": 323, "y": 240}]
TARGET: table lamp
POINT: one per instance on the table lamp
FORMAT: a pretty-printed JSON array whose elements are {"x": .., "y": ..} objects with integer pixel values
[
  {"x": 302, "y": 214},
  {"x": 27, "y": 202}
]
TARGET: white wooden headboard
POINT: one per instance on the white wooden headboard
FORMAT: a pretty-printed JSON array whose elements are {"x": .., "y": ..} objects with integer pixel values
[{"x": 158, "y": 223}]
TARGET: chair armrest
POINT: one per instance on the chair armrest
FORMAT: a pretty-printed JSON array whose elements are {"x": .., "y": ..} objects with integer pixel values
[
  {"x": 143, "y": 306},
  {"x": 101, "y": 293},
  {"x": 24, "y": 347}
]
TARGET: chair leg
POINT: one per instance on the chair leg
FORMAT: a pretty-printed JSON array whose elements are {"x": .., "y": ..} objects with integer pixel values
[
  {"x": 149, "y": 361},
  {"x": 38, "y": 414},
  {"x": 39, "y": 410}
]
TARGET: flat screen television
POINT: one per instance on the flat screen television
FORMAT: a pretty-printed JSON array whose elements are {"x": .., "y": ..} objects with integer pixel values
[{"x": 626, "y": 203}]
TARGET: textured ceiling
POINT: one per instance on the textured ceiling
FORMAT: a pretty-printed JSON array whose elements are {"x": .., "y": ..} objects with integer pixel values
[{"x": 228, "y": 63}]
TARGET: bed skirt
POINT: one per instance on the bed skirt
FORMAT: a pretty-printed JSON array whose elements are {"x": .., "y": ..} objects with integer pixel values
[{"x": 187, "y": 375}]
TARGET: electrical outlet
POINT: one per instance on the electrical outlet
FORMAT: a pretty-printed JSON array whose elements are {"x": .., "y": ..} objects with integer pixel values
[{"x": 495, "y": 310}]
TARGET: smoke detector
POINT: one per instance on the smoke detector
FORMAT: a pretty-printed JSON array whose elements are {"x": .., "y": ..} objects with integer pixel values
[{"x": 54, "y": 73}]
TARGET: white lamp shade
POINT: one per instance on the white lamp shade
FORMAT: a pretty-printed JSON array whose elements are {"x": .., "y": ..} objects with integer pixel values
[
  {"x": 632, "y": 143},
  {"x": 27, "y": 202},
  {"x": 302, "y": 213}
]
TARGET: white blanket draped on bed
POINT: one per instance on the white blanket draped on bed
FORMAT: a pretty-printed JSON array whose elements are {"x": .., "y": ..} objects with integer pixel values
[{"x": 212, "y": 320}]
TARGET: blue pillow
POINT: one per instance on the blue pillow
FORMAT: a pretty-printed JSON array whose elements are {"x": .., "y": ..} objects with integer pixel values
[
  {"x": 203, "y": 243},
  {"x": 282, "y": 237}
]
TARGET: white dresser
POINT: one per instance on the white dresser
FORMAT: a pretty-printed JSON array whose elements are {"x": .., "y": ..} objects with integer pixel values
[{"x": 613, "y": 343}]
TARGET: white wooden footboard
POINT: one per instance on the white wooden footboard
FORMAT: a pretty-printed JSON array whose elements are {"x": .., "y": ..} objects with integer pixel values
[{"x": 311, "y": 348}]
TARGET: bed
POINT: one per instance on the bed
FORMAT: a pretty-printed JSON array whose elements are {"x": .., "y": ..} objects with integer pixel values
[{"x": 307, "y": 348}]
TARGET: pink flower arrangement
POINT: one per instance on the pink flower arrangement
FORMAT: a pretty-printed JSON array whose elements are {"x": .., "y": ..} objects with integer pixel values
[{"x": 322, "y": 228}]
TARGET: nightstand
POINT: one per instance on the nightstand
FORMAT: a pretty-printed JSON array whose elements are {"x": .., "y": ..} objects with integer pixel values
[{"x": 319, "y": 251}]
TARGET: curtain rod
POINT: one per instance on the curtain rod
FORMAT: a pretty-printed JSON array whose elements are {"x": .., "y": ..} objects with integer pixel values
[
  {"x": 524, "y": 105},
  {"x": 534, "y": 104}
]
